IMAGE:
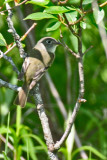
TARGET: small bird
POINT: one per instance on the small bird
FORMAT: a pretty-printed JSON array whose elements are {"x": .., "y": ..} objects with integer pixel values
[{"x": 35, "y": 65}]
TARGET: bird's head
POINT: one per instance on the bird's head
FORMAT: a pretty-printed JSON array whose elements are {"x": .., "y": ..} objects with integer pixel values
[{"x": 49, "y": 43}]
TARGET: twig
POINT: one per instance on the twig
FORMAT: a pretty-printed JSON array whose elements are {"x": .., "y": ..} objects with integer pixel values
[
  {"x": 88, "y": 49},
  {"x": 44, "y": 122},
  {"x": 14, "y": 6},
  {"x": 62, "y": 2},
  {"x": 9, "y": 85},
  {"x": 71, "y": 51},
  {"x": 69, "y": 26},
  {"x": 77, "y": 21},
  {"x": 63, "y": 110},
  {"x": 22, "y": 38},
  {"x": 14, "y": 33},
  {"x": 81, "y": 90},
  {"x": 9, "y": 59},
  {"x": 103, "y": 4},
  {"x": 91, "y": 10}
]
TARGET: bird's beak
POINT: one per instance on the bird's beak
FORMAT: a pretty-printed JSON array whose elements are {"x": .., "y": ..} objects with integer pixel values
[{"x": 59, "y": 43}]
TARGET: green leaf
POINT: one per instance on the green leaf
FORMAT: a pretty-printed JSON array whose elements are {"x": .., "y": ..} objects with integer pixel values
[
  {"x": 87, "y": 1},
  {"x": 39, "y": 2},
  {"x": 54, "y": 27},
  {"x": 72, "y": 16},
  {"x": 57, "y": 9},
  {"x": 83, "y": 25},
  {"x": 7, "y": 134},
  {"x": 39, "y": 16},
  {"x": 2, "y": 41},
  {"x": 89, "y": 148}
]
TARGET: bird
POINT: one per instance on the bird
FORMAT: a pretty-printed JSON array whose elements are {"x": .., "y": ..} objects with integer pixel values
[{"x": 35, "y": 65}]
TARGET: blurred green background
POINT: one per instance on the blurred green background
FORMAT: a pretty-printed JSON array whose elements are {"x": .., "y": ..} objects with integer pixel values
[{"x": 91, "y": 121}]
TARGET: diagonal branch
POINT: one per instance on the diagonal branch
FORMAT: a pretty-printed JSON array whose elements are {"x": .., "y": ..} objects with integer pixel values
[
  {"x": 21, "y": 39},
  {"x": 9, "y": 85},
  {"x": 9, "y": 59},
  {"x": 44, "y": 123},
  {"x": 13, "y": 31}
]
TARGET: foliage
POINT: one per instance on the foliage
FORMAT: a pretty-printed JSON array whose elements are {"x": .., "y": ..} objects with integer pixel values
[{"x": 24, "y": 130}]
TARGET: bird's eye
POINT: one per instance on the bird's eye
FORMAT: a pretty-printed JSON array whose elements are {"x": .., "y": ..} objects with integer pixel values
[{"x": 48, "y": 41}]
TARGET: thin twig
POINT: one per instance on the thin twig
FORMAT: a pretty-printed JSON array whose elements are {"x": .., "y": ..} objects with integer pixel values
[
  {"x": 71, "y": 51},
  {"x": 62, "y": 2},
  {"x": 69, "y": 26},
  {"x": 103, "y": 4},
  {"x": 88, "y": 49},
  {"x": 14, "y": 6},
  {"x": 81, "y": 90},
  {"x": 77, "y": 21},
  {"x": 22, "y": 38}
]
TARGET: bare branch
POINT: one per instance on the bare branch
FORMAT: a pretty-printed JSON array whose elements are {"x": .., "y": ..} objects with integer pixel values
[
  {"x": 13, "y": 31},
  {"x": 77, "y": 21},
  {"x": 9, "y": 59},
  {"x": 14, "y": 6},
  {"x": 8, "y": 85},
  {"x": 81, "y": 90},
  {"x": 70, "y": 50},
  {"x": 21, "y": 39},
  {"x": 62, "y": 2},
  {"x": 88, "y": 49},
  {"x": 69, "y": 126},
  {"x": 44, "y": 123},
  {"x": 69, "y": 26},
  {"x": 63, "y": 110}
]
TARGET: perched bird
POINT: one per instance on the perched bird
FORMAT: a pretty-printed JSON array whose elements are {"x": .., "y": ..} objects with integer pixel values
[{"x": 35, "y": 65}]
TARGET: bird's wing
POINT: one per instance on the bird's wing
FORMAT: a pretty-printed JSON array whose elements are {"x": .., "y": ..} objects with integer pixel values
[
  {"x": 24, "y": 68},
  {"x": 37, "y": 76}
]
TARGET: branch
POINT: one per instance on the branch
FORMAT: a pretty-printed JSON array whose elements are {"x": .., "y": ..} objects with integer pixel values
[
  {"x": 81, "y": 90},
  {"x": 88, "y": 49},
  {"x": 9, "y": 59},
  {"x": 14, "y": 6},
  {"x": 70, "y": 50},
  {"x": 69, "y": 126},
  {"x": 63, "y": 110},
  {"x": 77, "y": 21},
  {"x": 21, "y": 39},
  {"x": 9, "y": 85},
  {"x": 69, "y": 26},
  {"x": 44, "y": 123},
  {"x": 62, "y": 2},
  {"x": 14, "y": 33}
]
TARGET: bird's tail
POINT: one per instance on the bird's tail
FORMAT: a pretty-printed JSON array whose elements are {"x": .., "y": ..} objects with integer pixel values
[{"x": 22, "y": 96}]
